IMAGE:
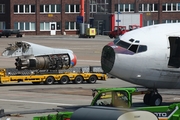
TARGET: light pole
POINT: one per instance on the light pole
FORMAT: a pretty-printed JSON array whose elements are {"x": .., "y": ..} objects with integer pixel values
[{"x": 118, "y": 16}]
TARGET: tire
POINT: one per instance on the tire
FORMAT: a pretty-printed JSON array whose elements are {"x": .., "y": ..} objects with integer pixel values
[
  {"x": 156, "y": 100},
  {"x": 111, "y": 36},
  {"x": 49, "y": 80},
  {"x": 64, "y": 80},
  {"x": 92, "y": 79},
  {"x": 146, "y": 98},
  {"x": 79, "y": 79}
]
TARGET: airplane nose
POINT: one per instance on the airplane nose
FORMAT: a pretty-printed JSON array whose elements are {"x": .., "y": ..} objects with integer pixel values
[
  {"x": 107, "y": 58},
  {"x": 73, "y": 61}
]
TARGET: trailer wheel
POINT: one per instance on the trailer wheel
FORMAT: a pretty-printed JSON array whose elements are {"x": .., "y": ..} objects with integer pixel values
[
  {"x": 49, "y": 80},
  {"x": 64, "y": 80},
  {"x": 92, "y": 79},
  {"x": 79, "y": 79}
]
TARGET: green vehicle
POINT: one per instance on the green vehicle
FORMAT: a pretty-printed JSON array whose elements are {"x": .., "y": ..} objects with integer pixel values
[
  {"x": 58, "y": 116},
  {"x": 115, "y": 97},
  {"x": 121, "y": 98}
]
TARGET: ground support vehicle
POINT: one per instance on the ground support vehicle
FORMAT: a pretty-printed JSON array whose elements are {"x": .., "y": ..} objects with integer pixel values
[
  {"x": 76, "y": 75},
  {"x": 115, "y": 97},
  {"x": 120, "y": 30},
  {"x": 168, "y": 112},
  {"x": 90, "y": 32},
  {"x": 9, "y": 32},
  {"x": 171, "y": 112}
]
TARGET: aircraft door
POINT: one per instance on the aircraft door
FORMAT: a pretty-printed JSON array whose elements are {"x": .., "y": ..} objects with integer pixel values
[
  {"x": 53, "y": 28},
  {"x": 174, "y": 57}
]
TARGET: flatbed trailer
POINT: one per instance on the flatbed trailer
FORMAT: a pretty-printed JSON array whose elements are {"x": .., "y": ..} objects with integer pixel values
[{"x": 51, "y": 77}]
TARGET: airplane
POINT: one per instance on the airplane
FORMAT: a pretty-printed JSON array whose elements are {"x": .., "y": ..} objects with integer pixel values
[
  {"x": 38, "y": 57},
  {"x": 148, "y": 56}
]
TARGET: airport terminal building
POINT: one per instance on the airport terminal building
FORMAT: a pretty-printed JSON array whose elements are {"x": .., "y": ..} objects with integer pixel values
[{"x": 56, "y": 17}]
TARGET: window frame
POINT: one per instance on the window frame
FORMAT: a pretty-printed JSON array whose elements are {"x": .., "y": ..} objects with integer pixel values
[
  {"x": 150, "y": 7},
  {"x": 49, "y": 7},
  {"x": 21, "y": 9},
  {"x": 68, "y": 8},
  {"x": 68, "y": 23},
  {"x": 2, "y": 8},
  {"x": 124, "y": 7},
  {"x": 22, "y": 26}
]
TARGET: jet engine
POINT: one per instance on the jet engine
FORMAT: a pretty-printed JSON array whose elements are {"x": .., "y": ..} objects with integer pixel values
[{"x": 52, "y": 62}]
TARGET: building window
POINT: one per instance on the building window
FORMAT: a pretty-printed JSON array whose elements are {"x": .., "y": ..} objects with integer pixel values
[
  {"x": 2, "y": 25},
  {"x": 93, "y": 8},
  {"x": 25, "y": 26},
  {"x": 170, "y": 21},
  {"x": 150, "y": 22},
  {"x": 41, "y": 8},
  {"x": 2, "y": 8},
  {"x": 148, "y": 7},
  {"x": 15, "y": 8},
  {"x": 44, "y": 26},
  {"x": 72, "y": 8},
  {"x": 99, "y": 6},
  {"x": 16, "y": 25},
  {"x": 21, "y": 26},
  {"x": 21, "y": 9},
  {"x": 47, "y": 8},
  {"x": 170, "y": 7},
  {"x": 24, "y": 9},
  {"x": 124, "y": 7},
  {"x": 178, "y": 6},
  {"x": 33, "y": 9},
  {"x": 71, "y": 26},
  {"x": 58, "y": 25},
  {"x": 58, "y": 8},
  {"x": 50, "y": 8}
]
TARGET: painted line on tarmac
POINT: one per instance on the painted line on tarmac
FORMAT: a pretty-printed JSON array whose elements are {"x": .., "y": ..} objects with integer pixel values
[
  {"x": 88, "y": 60},
  {"x": 176, "y": 98},
  {"x": 35, "y": 102}
]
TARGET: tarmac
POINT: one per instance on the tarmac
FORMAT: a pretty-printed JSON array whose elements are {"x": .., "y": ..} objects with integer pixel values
[{"x": 23, "y": 101}]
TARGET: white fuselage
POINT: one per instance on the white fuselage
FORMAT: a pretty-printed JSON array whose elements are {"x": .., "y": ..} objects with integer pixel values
[{"x": 151, "y": 68}]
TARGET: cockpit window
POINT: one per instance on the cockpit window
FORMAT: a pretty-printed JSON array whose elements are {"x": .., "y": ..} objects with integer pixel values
[
  {"x": 142, "y": 48},
  {"x": 116, "y": 40},
  {"x": 133, "y": 48},
  {"x": 123, "y": 44},
  {"x": 136, "y": 48}
]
